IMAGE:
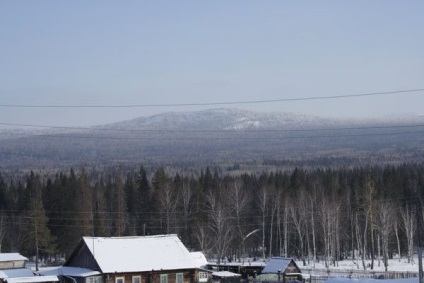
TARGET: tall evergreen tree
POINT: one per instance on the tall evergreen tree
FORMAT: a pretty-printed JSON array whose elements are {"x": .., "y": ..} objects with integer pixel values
[
  {"x": 144, "y": 202},
  {"x": 37, "y": 236}
]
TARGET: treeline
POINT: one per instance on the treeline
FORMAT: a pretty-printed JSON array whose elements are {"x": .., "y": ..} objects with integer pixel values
[{"x": 315, "y": 214}]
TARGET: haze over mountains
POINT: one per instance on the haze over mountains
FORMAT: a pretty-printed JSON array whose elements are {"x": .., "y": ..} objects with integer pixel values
[
  {"x": 219, "y": 136},
  {"x": 237, "y": 119}
]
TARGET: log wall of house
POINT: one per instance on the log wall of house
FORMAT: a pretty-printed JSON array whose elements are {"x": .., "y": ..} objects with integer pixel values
[{"x": 189, "y": 276}]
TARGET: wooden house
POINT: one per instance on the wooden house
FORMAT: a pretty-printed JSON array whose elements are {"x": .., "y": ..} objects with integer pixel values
[
  {"x": 281, "y": 269},
  {"x": 148, "y": 259}
]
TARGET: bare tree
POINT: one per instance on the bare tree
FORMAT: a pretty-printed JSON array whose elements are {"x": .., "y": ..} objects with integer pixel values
[
  {"x": 385, "y": 227},
  {"x": 286, "y": 227},
  {"x": 330, "y": 222},
  {"x": 312, "y": 200},
  {"x": 220, "y": 224},
  {"x": 408, "y": 225},
  {"x": 369, "y": 203},
  {"x": 205, "y": 241},
  {"x": 396, "y": 229},
  {"x": 186, "y": 195},
  {"x": 168, "y": 203},
  {"x": 263, "y": 205},
  {"x": 360, "y": 232},
  {"x": 298, "y": 216},
  {"x": 365, "y": 238},
  {"x": 239, "y": 200}
]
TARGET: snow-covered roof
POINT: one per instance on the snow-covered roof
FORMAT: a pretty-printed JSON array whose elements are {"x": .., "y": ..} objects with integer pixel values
[
  {"x": 277, "y": 263},
  {"x": 366, "y": 280},
  {"x": 69, "y": 271},
  {"x": 199, "y": 259},
  {"x": 11, "y": 257},
  {"x": 132, "y": 254},
  {"x": 32, "y": 279},
  {"x": 223, "y": 274},
  {"x": 19, "y": 272}
]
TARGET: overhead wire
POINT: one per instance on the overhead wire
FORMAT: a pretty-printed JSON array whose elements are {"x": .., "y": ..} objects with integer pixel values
[
  {"x": 73, "y": 136},
  {"x": 97, "y": 129},
  {"x": 403, "y": 91}
]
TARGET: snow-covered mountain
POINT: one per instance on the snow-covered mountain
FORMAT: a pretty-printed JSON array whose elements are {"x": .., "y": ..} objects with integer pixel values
[
  {"x": 226, "y": 119},
  {"x": 237, "y": 119},
  {"x": 222, "y": 135}
]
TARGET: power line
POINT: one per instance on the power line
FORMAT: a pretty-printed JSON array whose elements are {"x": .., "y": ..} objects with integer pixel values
[
  {"x": 206, "y": 131},
  {"x": 236, "y": 137},
  {"x": 404, "y": 91},
  {"x": 185, "y": 138}
]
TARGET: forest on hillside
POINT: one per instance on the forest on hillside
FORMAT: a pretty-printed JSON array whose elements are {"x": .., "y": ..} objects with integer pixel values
[{"x": 311, "y": 214}]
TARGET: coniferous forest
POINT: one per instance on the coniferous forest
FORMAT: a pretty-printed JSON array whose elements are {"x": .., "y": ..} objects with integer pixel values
[{"x": 311, "y": 214}]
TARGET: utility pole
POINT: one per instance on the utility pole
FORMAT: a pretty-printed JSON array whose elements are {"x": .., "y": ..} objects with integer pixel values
[{"x": 418, "y": 213}]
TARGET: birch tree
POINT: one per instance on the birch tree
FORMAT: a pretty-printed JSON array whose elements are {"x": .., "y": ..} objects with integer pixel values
[
  {"x": 330, "y": 212},
  {"x": 263, "y": 199},
  {"x": 408, "y": 225},
  {"x": 220, "y": 224},
  {"x": 385, "y": 228},
  {"x": 185, "y": 196},
  {"x": 298, "y": 217},
  {"x": 239, "y": 200}
]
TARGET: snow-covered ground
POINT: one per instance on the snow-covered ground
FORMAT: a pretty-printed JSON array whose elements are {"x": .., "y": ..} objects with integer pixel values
[{"x": 395, "y": 264}]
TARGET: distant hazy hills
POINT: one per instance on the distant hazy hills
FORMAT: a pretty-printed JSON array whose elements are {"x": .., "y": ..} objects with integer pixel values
[
  {"x": 222, "y": 119},
  {"x": 219, "y": 136}
]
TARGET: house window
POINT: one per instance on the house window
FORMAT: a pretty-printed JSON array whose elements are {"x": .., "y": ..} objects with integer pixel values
[
  {"x": 179, "y": 278},
  {"x": 136, "y": 279},
  {"x": 203, "y": 276},
  {"x": 164, "y": 278},
  {"x": 119, "y": 280}
]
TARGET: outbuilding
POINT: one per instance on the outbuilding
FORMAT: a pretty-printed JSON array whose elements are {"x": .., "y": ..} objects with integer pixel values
[
  {"x": 13, "y": 270},
  {"x": 281, "y": 269}
]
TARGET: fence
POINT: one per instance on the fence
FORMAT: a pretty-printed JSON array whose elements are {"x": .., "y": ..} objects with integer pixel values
[
  {"x": 321, "y": 275},
  {"x": 318, "y": 276}
]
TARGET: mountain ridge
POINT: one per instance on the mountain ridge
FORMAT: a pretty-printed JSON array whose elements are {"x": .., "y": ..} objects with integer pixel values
[
  {"x": 220, "y": 136},
  {"x": 238, "y": 119}
]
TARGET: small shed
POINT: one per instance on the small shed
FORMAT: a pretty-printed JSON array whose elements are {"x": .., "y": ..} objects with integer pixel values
[
  {"x": 281, "y": 269},
  {"x": 12, "y": 270},
  {"x": 12, "y": 261}
]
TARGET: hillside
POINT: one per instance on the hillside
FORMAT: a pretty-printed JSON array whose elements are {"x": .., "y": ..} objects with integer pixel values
[{"x": 219, "y": 136}]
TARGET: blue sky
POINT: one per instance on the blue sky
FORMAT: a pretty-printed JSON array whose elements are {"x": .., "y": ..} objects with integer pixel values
[{"x": 155, "y": 52}]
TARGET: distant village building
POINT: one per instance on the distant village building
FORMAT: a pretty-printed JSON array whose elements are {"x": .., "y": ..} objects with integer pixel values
[
  {"x": 281, "y": 269},
  {"x": 12, "y": 270},
  {"x": 147, "y": 259}
]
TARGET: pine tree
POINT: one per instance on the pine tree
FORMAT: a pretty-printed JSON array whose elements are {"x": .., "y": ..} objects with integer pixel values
[
  {"x": 37, "y": 237},
  {"x": 144, "y": 202}
]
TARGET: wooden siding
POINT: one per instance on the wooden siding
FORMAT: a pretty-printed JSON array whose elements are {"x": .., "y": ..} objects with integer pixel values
[
  {"x": 82, "y": 257},
  {"x": 292, "y": 268},
  {"x": 12, "y": 264},
  {"x": 190, "y": 276}
]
